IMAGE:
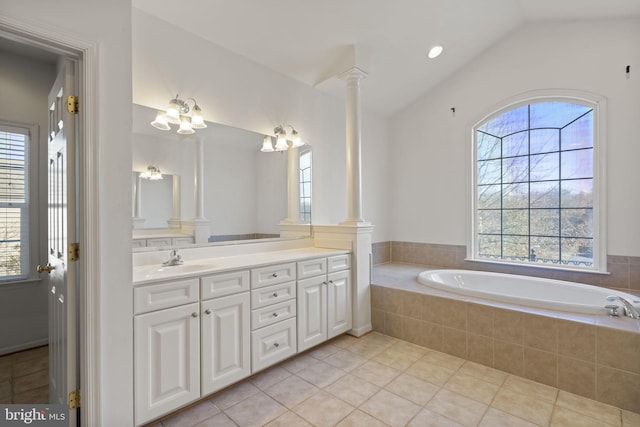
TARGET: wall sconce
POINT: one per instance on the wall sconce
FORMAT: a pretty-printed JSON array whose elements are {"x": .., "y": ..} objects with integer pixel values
[
  {"x": 152, "y": 173},
  {"x": 284, "y": 140},
  {"x": 176, "y": 114}
]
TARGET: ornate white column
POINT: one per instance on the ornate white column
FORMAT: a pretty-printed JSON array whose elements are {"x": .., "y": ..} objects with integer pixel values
[
  {"x": 138, "y": 221},
  {"x": 352, "y": 77},
  {"x": 174, "y": 221},
  {"x": 293, "y": 186}
]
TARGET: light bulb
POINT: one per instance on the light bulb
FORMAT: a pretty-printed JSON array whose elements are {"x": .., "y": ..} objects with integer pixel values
[
  {"x": 185, "y": 126},
  {"x": 267, "y": 145}
]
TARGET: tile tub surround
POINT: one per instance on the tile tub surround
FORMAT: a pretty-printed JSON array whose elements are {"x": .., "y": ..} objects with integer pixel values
[
  {"x": 592, "y": 356},
  {"x": 624, "y": 270},
  {"x": 377, "y": 380}
]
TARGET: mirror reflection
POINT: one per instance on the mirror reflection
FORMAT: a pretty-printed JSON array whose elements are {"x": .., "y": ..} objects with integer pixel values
[{"x": 242, "y": 194}]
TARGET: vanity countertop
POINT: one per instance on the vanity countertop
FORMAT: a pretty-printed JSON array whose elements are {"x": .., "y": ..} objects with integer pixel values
[{"x": 150, "y": 273}]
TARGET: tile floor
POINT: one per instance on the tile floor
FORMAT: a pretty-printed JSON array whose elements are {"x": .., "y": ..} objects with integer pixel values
[
  {"x": 24, "y": 376},
  {"x": 377, "y": 380}
]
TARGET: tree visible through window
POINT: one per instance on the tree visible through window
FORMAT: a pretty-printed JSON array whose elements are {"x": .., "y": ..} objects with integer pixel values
[
  {"x": 13, "y": 203},
  {"x": 535, "y": 185}
]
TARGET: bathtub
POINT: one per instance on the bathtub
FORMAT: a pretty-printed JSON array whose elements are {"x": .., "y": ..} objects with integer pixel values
[{"x": 525, "y": 290}]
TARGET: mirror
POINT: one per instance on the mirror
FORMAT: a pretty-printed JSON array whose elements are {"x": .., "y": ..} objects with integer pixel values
[{"x": 244, "y": 191}]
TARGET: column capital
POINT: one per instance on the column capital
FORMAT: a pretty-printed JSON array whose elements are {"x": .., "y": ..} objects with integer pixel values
[{"x": 353, "y": 73}]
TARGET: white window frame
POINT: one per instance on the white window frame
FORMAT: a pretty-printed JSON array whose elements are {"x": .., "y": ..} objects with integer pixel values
[
  {"x": 302, "y": 151},
  {"x": 598, "y": 103}
]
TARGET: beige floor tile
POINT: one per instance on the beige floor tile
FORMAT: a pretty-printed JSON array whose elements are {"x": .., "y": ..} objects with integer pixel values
[
  {"x": 322, "y": 409},
  {"x": 524, "y": 406},
  {"x": 484, "y": 373},
  {"x": 344, "y": 341},
  {"x": 292, "y": 391},
  {"x": 426, "y": 371},
  {"x": 321, "y": 374},
  {"x": 563, "y": 417},
  {"x": 220, "y": 420},
  {"x": 409, "y": 349},
  {"x": 376, "y": 373},
  {"x": 443, "y": 359},
  {"x": 630, "y": 419},
  {"x": 472, "y": 387},
  {"x": 256, "y": 410},
  {"x": 323, "y": 351},
  {"x": 496, "y": 418},
  {"x": 353, "y": 390},
  {"x": 390, "y": 408},
  {"x": 590, "y": 408},
  {"x": 298, "y": 363},
  {"x": 461, "y": 409},
  {"x": 396, "y": 358},
  {"x": 288, "y": 419},
  {"x": 270, "y": 377},
  {"x": 359, "y": 419},
  {"x": 370, "y": 347},
  {"x": 427, "y": 418},
  {"x": 192, "y": 416},
  {"x": 345, "y": 360},
  {"x": 233, "y": 395},
  {"x": 531, "y": 388},
  {"x": 412, "y": 388}
]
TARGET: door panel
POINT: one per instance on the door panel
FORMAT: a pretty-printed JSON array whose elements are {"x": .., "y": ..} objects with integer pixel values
[
  {"x": 339, "y": 303},
  {"x": 312, "y": 312}
]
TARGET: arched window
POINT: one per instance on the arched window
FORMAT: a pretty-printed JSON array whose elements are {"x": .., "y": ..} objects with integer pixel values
[{"x": 535, "y": 186}]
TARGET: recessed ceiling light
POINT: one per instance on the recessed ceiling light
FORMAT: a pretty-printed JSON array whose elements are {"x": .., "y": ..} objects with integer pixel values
[{"x": 435, "y": 51}]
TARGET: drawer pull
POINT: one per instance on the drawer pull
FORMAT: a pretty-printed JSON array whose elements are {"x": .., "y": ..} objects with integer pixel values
[
  {"x": 275, "y": 314},
  {"x": 208, "y": 311},
  {"x": 275, "y": 344},
  {"x": 194, "y": 314},
  {"x": 330, "y": 281},
  {"x": 275, "y": 295},
  {"x": 274, "y": 275}
]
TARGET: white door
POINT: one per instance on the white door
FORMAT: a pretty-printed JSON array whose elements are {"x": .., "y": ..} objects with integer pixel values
[
  {"x": 312, "y": 312},
  {"x": 167, "y": 360},
  {"x": 225, "y": 355},
  {"x": 63, "y": 273},
  {"x": 338, "y": 303}
]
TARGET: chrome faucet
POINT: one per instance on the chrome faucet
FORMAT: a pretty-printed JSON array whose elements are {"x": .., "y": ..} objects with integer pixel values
[
  {"x": 628, "y": 308},
  {"x": 174, "y": 259}
]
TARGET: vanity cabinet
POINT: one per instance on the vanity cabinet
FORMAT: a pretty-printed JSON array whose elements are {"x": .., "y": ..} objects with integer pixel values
[
  {"x": 324, "y": 300},
  {"x": 167, "y": 360},
  {"x": 273, "y": 318}
]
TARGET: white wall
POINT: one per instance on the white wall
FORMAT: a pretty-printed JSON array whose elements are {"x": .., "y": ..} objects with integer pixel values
[
  {"x": 237, "y": 92},
  {"x": 108, "y": 25},
  {"x": 430, "y": 161},
  {"x": 25, "y": 85}
]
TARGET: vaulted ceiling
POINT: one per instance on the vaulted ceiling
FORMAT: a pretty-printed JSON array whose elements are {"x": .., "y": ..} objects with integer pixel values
[{"x": 314, "y": 40}]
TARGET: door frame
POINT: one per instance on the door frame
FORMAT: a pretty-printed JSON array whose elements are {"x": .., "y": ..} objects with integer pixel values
[{"x": 86, "y": 55}]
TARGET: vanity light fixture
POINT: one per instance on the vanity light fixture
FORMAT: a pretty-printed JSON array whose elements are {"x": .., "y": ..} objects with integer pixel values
[
  {"x": 284, "y": 140},
  {"x": 435, "y": 51},
  {"x": 177, "y": 114},
  {"x": 152, "y": 173}
]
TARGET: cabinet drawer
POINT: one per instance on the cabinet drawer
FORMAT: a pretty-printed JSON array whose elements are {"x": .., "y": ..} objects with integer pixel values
[
  {"x": 159, "y": 241},
  {"x": 218, "y": 285},
  {"x": 338, "y": 263},
  {"x": 262, "y": 297},
  {"x": 272, "y": 344},
  {"x": 272, "y": 274},
  {"x": 156, "y": 297},
  {"x": 273, "y": 313},
  {"x": 312, "y": 267}
]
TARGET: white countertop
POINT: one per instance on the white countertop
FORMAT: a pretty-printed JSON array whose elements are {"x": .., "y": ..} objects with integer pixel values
[{"x": 151, "y": 273}]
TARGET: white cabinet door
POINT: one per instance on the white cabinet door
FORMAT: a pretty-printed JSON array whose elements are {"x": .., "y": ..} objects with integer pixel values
[
  {"x": 167, "y": 360},
  {"x": 312, "y": 312},
  {"x": 226, "y": 340},
  {"x": 339, "y": 303}
]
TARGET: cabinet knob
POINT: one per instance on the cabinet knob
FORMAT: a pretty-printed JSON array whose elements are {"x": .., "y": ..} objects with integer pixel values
[
  {"x": 275, "y": 295},
  {"x": 194, "y": 314},
  {"x": 275, "y": 344},
  {"x": 274, "y": 275},
  {"x": 324, "y": 283},
  {"x": 330, "y": 281},
  {"x": 208, "y": 311},
  {"x": 275, "y": 314}
]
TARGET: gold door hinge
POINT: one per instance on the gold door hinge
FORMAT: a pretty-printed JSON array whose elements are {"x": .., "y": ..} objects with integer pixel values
[
  {"x": 73, "y": 252},
  {"x": 74, "y": 399},
  {"x": 73, "y": 104}
]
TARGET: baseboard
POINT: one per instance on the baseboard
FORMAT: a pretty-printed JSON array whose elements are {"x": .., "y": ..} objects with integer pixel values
[
  {"x": 361, "y": 330},
  {"x": 23, "y": 346}
]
